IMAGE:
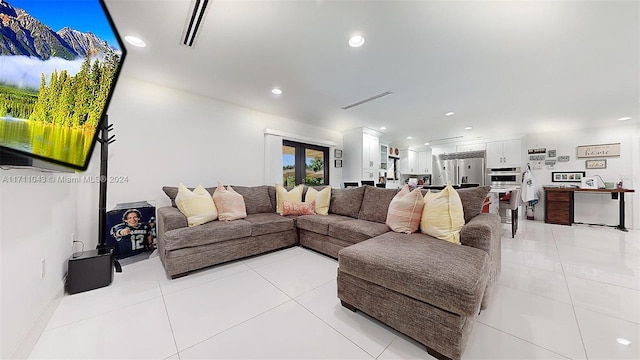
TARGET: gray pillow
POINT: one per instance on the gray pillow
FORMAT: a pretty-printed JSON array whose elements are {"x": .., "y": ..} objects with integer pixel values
[
  {"x": 346, "y": 201},
  {"x": 472, "y": 200},
  {"x": 375, "y": 204},
  {"x": 256, "y": 198}
]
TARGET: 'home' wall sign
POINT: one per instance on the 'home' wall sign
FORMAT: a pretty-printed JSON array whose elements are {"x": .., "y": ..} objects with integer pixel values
[{"x": 598, "y": 150}]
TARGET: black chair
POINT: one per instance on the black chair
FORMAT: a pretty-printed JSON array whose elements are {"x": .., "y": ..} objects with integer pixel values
[
  {"x": 350, "y": 184},
  {"x": 368, "y": 182}
]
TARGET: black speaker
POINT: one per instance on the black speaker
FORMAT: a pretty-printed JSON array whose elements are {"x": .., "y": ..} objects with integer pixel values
[{"x": 91, "y": 269}]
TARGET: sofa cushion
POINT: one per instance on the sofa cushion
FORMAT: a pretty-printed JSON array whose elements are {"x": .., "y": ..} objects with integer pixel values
[
  {"x": 472, "y": 200},
  {"x": 196, "y": 205},
  {"x": 322, "y": 199},
  {"x": 449, "y": 276},
  {"x": 256, "y": 198},
  {"x": 211, "y": 232},
  {"x": 443, "y": 216},
  {"x": 282, "y": 194},
  {"x": 375, "y": 203},
  {"x": 347, "y": 202},
  {"x": 230, "y": 204},
  {"x": 319, "y": 223},
  {"x": 405, "y": 211},
  {"x": 269, "y": 223},
  {"x": 356, "y": 230}
]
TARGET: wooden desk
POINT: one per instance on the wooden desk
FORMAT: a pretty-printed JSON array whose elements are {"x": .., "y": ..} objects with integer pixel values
[{"x": 558, "y": 204}]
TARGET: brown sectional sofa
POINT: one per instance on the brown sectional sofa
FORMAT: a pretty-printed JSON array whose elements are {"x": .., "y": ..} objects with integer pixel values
[{"x": 426, "y": 288}]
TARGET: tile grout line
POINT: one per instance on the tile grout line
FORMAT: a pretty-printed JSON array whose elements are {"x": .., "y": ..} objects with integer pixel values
[
  {"x": 166, "y": 310},
  {"x": 573, "y": 307}
]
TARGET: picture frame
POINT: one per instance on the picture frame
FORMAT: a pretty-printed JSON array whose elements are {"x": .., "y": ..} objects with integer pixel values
[
  {"x": 595, "y": 164},
  {"x": 567, "y": 176},
  {"x": 337, "y": 153},
  {"x": 601, "y": 150},
  {"x": 338, "y": 163}
]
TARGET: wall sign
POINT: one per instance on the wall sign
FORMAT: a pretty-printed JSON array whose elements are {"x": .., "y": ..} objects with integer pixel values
[
  {"x": 567, "y": 176},
  {"x": 552, "y": 153},
  {"x": 598, "y": 150},
  {"x": 564, "y": 158},
  {"x": 537, "y": 151},
  {"x": 596, "y": 164},
  {"x": 536, "y": 157}
]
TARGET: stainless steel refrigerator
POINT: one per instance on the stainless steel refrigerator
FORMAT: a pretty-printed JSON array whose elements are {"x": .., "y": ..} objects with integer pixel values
[{"x": 459, "y": 168}]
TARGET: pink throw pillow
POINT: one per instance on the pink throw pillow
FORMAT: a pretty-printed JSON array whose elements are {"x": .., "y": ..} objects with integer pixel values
[
  {"x": 298, "y": 208},
  {"x": 405, "y": 211},
  {"x": 229, "y": 203}
]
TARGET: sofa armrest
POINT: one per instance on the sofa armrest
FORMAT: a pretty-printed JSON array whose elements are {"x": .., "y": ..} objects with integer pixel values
[
  {"x": 170, "y": 218},
  {"x": 482, "y": 232}
]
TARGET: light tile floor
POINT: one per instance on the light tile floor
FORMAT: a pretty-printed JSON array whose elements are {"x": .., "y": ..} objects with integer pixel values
[{"x": 566, "y": 292}]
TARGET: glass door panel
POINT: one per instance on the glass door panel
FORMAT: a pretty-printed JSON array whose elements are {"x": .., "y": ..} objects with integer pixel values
[
  {"x": 288, "y": 166},
  {"x": 314, "y": 164}
]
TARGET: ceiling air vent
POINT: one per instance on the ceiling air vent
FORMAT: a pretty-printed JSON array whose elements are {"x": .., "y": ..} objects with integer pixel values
[
  {"x": 367, "y": 100},
  {"x": 199, "y": 8}
]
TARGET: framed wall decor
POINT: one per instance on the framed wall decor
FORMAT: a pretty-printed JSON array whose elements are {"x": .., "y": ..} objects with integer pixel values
[
  {"x": 595, "y": 164},
  {"x": 602, "y": 150},
  {"x": 567, "y": 176},
  {"x": 337, "y": 153},
  {"x": 338, "y": 163}
]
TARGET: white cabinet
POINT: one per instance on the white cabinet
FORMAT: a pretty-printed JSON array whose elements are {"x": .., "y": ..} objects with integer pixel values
[
  {"x": 424, "y": 162},
  {"x": 507, "y": 153},
  {"x": 360, "y": 155},
  {"x": 408, "y": 161},
  {"x": 370, "y": 152}
]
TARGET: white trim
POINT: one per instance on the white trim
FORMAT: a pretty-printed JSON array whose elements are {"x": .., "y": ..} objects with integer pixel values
[
  {"x": 30, "y": 339},
  {"x": 309, "y": 140}
]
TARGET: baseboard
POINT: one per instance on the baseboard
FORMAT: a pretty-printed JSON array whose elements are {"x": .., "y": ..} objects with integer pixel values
[{"x": 30, "y": 339}]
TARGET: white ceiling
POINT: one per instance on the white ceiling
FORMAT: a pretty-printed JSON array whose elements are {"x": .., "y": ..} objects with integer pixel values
[{"x": 504, "y": 67}]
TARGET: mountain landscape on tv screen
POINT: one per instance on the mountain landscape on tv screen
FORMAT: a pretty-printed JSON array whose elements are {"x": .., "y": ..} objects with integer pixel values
[{"x": 53, "y": 84}]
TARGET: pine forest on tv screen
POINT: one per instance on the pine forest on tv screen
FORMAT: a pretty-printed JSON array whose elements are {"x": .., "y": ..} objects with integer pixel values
[{"x": 54, "y": 84}]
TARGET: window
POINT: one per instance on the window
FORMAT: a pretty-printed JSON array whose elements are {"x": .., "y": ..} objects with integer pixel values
[{"x": 304, "y": 164}]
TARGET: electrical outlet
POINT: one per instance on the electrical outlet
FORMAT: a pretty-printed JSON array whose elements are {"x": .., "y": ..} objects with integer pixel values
[{"x": 44, "y": 264}]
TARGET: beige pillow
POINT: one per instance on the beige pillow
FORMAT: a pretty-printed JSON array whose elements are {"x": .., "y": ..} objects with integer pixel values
[
  {"x": 295, "y": 195},
  {"x": 322, "y": 199},
  {"x": 196, "y": 205},
  {"x": 230, "y": 204},
  {"x": 405, "y": 211},
  {"x": 443, "y": 216}
]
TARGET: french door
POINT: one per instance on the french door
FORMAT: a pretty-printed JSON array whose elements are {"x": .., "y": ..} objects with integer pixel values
[{"x": 304, "y": 164}]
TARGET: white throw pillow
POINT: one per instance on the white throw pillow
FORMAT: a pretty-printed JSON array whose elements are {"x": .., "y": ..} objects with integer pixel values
[
  {"x": 322, "y": 199},
  {"x": 443, "y": 215},
  {"x": 196, "y": 205}
]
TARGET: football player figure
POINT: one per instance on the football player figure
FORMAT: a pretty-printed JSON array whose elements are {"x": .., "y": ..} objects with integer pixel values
[{"x": 131, "y": 234}]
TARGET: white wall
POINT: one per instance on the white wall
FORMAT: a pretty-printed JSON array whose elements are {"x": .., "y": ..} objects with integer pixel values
[
  {"x": 593, "y": 207},
  {"x": 163, "y": 137},
  {"x": 36, "y": 223}
]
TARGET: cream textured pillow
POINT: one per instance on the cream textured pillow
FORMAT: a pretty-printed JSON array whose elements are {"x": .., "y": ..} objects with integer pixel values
[
  {"x": 197, "y": 206},
  {"x": 230, "y": 204},
  {"x": 405, "y": 211},
  {"x": 443, "y": 216},
  {"x": 295, "y": 195},
  {"x": 322, "y": 199}
]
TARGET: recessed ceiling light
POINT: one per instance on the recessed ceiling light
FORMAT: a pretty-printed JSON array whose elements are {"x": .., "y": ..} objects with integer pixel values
[
  {"x": 624, "y": 118},
  {"x": 135, "y": 41},
  {"x": 468, "y": 128},
  {"x": 623, "y": 341},
  {"x": 356, "y": 41},
  {"x": 383, "y": 128},
  {"x": 449, "y": 113},
  {"x": 426, "y": 143},
  {"x": 276, "y": 91},
  {"x": 409, "y": 137}
]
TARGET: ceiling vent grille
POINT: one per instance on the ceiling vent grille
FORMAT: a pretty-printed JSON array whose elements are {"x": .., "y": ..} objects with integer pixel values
[
  {"x": 194, "y": 21},
  {"x": 367, "y": 100}
]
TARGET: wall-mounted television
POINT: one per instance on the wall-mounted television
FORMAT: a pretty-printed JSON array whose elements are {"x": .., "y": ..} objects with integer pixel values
[{"x": 59, "y": 62}]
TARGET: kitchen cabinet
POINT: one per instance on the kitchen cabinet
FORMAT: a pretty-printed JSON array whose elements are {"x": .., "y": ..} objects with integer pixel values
[
  {"x": 424, "y": 162},
  {"x": 361, "y": 155},
  {"x": 408, "y": 161},
  {"x": 507, "y": 153}
]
